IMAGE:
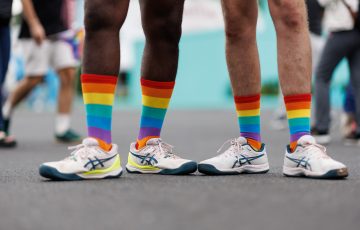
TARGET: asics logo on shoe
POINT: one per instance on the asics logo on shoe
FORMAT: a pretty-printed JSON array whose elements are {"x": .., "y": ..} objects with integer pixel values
[
  {"x": 147, "y": 159},
  {"x": 96, "y": 162},
  {"x": 240, "y": 161},
  {"x": 303, "y": 162}
]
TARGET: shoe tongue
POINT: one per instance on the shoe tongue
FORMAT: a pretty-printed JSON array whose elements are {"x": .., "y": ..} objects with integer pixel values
[
  {"x": 90, "y": 142},
  {"x": 242, "y": 140},
  {"x": 306, "y": 140},
  {"x": 153, "y": 141}
]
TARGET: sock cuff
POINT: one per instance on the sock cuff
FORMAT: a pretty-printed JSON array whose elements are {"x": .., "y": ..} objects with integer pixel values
[
  {"x": 96, "y": 78},
  {"x": 247, "y": 99},
  {"x": 157, "y": 84},
  {"x": 297, "y": 98}
]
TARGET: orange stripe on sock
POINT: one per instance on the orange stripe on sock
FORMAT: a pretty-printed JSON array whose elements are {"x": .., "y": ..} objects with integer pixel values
[
  {"x": 105, "y": 146},
  {"x": 298, "y": 105},
  {"x": 293, "y": 146},
  {"x": 153, "y": 92},
  {"x": 255, "y": 144},
  {"x": 98, "y": 88},
  {"x": 141, "y": 143},
  {"x": 248, "y": 106}
]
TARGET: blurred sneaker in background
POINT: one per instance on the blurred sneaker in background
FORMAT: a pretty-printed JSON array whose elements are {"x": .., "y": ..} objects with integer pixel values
[
  {"x": 70, "y": 136},
  {"x": 321, "y": 136}
]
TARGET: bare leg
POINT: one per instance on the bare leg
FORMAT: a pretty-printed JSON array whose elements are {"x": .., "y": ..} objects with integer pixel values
[
  {"x": 103, "y": 20},
  {"x": 66, "y": 91},
  {"x": 241, "y": 48},
  {"x": 293, "y": 42},
  {"x": 21, "y": 91},
  {"x": 161, "y": 21},
  {"x": 243, "y": 64},
  {"x": 294, "y": 63}
]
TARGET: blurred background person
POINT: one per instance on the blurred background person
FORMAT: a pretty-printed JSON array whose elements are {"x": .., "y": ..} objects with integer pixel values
[
  {"x": 343, "y": 42},
  {"x": 315, "y": 15},
  {"x": 5, "y": 45},
  {"x": 44, "y": 47}
]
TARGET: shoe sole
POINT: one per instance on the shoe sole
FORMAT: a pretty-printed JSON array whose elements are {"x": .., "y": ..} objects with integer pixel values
[
  {"x": 185, "y": 169},
  {"x": 332, "y": 174},
  {"x": 211, "y": 170},
  {"x": 54, "y": 174}
]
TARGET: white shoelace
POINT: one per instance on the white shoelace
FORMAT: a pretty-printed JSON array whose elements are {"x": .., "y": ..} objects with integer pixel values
[
  {"x": 317, "y": 149},
  {"x": 166, "y": 150},
  {"x": 235, "y": 147},
  {"x": 80, "y": 150}
]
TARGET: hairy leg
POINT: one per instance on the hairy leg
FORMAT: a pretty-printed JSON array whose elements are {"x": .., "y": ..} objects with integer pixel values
[
  {"x": 293, "y": 42},
  {"x": 241, "y": 48},
  {"x": 243, "y": 65},
  {"x": 294, "y": 63}
]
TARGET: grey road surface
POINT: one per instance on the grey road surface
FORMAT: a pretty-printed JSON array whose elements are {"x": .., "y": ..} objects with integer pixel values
[{"x": 246, "y": 202}]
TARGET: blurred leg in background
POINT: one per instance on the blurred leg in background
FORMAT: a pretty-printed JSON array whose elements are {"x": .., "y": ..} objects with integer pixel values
[
  {"x": 63, "y": 61},
  {"x": 161, "y": 21},
  {"x": 5, "y": 46},
  {"x": 354, "y": 63},
  {"x": 348, "y": 123},
  {"x": 338, "y": 46},
  {"x": 38, "y": 60}
]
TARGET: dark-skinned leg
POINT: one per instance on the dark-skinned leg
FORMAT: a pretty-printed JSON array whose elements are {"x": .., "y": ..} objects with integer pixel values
[
  {"x": 161, "y": 22},
  {"x": 103, "y": 20}
]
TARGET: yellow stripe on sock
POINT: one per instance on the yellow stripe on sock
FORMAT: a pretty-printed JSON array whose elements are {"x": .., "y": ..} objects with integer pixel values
[
  {"x": 98, "y": 98},
  {"x": 248, "y": 113},
  {"x": 298, "y": 113},
  {"x": 155, "y": 102}
]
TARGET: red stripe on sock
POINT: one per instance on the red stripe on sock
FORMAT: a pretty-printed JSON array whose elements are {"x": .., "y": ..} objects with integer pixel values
[
  {"x": 297, "y": 98},
  {"x": 95, "y": 78},
  {"x": 158, "y": 84},
  {"x": 247, "y": 99}
]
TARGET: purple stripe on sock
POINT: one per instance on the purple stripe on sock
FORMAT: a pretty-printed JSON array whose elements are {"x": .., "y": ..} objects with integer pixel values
[
  {"x": 254, "y": 136},
  {"x": 148, "y": 131},
  {"x": 100, "y": 134},
  {"x": 297, "y": 136}
]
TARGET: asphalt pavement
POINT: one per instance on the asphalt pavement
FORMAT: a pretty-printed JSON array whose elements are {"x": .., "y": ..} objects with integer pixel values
[{"x": 248, "y": 202}]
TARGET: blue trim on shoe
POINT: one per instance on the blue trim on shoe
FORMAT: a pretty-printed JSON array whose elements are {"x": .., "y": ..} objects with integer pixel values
[
  {"x": 332, "y": 174},
  {"x": 53, "y": 174},
  {"x": 186, "y": 168},
  {"x": 211, "y": 170}
]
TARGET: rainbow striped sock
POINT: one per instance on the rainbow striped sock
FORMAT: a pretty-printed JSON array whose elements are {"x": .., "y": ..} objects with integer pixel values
[
  {"x": 298, "y": 113},
  {"x": 248, "y": 112},
  {"x": 155, "y": 98},
  {"x": 98, "y": 94}
]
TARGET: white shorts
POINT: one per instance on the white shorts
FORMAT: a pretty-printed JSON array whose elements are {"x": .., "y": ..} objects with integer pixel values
[{"x": 39, "y": 59}]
